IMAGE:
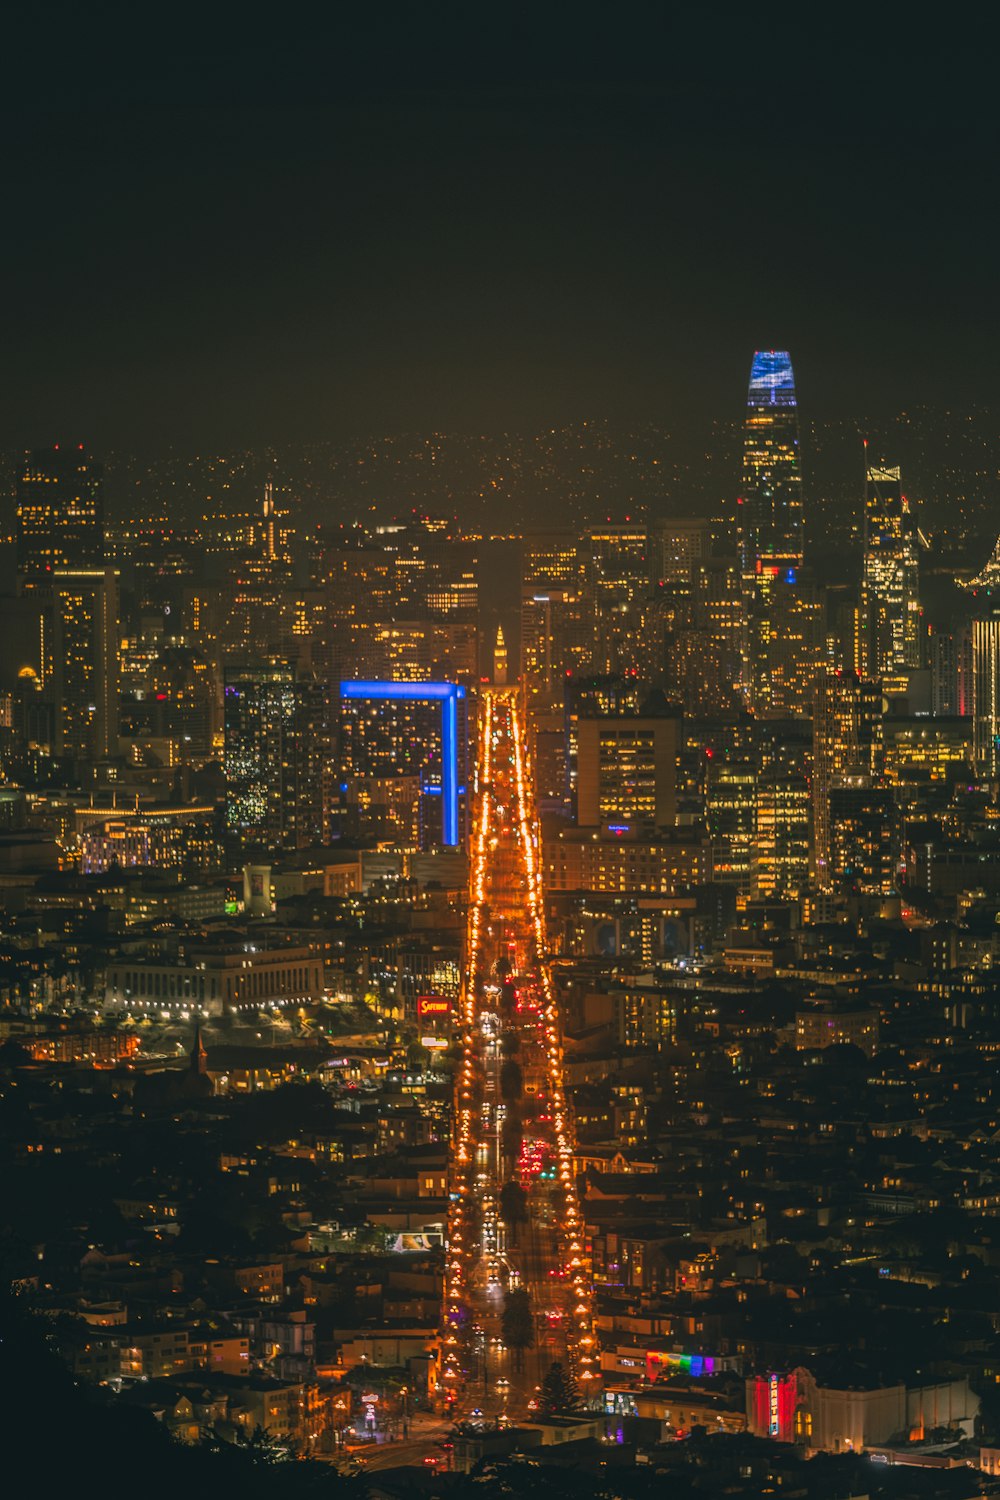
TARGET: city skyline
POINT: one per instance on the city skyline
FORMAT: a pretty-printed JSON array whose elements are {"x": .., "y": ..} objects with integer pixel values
[
  {"x": 496, "y": 873},
  {"x": 500, "y": 753}
]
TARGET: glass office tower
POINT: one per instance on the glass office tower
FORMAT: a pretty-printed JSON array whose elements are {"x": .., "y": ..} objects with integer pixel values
[{"x": 781, "y": 618}]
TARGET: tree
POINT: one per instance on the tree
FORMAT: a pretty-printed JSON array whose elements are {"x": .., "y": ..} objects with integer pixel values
[
  {"x": 513, "y": 1206},
  {"x": 517, "y": 1324},
  {"x": 511, "y": 1135},
  {"x": 13, "y": 1055},
  {"x": 559, "y": 1391},
  {"x": 91, "y": 1424},
  {"x": 290, "y": 1109},
  {"x": 511, "y": 1080}
]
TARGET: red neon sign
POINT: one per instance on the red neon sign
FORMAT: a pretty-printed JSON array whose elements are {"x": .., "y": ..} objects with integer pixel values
[{"x": 433, "y": 1005}]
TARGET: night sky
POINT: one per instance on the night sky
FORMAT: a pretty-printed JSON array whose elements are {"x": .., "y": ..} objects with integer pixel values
[{"x": 439, "y": 218}]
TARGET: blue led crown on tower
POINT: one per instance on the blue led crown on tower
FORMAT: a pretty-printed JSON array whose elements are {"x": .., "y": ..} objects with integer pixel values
[
  {"x": 447, "y": 694},
  {"x": 772, "y": 382}
]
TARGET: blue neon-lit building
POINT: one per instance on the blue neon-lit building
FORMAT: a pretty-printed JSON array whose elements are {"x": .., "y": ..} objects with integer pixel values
[
  {"x": 404, "y": 761},
  {"x": 772, "y": 381}
]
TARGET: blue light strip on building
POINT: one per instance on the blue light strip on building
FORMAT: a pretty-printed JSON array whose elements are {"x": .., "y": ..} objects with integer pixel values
[
  {"x": 449, "y": 770},
  {"x": 447, "y": 694},
  {"x": 416, "y": 692}
]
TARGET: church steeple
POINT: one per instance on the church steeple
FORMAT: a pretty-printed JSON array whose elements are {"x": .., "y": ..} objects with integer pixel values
[{"x": 199, "y": 1056}]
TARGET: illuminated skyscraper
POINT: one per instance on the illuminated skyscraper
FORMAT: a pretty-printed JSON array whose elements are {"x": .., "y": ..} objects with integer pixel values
[
  {"x": 780, "y": 860},
  {"x": 627, "y": 773},
  {"x": 730, "y": 815},
  {"x": 951, "y": 673},
  {"x": 847, "y": 752},
  {"x": 628, "y": 631},
  {"x": 703, "y": 659},
  {"x": 864, "y": 840},
  {"x": 403, "y": 758},
  {"x": 889, "y": 617},
  {"x": 770, "y": 519},
  {"x": 677, "y": 547},
  {"x": 986, "y": 693},
  {"x": 593, "y": 698},
  {"x": 632, "y": 639},
  {"x": 558, "y": 624},
  {"x": 618, "y": 563},
  {"x": 83, "y": 675},
  {"x": 259, "y": 708},
  {"x": 360, "y": 594},
  {"x": 278, "y": 756},
  {"x": 261, "y": 622},
  {"x": 551, "y": 557},
  {"x": 60, "y": 515},
  {"x": 781, "y": 615}
]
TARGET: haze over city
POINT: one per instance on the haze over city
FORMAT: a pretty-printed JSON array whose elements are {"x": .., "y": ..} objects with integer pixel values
[{"x": 393, "y": 222}]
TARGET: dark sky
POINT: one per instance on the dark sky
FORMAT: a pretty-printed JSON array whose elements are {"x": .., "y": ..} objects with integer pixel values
[{"x": 238, "y": 231}]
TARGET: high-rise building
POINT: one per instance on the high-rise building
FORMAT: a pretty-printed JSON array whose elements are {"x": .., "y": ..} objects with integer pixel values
[
  {"x": 404, "y": 611},
  {"x": 557, "y": 640},
  {"x": 783, "y": 747},
  {"x": 986, "y": 693},
  {"x": 360, "y": 594},
  {"x": 847, "y": 751},
  {"x": 951, "y": 674},
  {"x": 677, "y": 547},
  {"x": 258, "y": 704},
  {"x": 782, "y": 624},
  {"x": 261, "y": 621},
  {"x": 618, "y": 563},
  {"x": 704, "y": 656},
  {"x": 795, "y": 646},
  {"x": 278, "y": 756},
  {"x": 593, "y": 698},
  {"x": 551, "y": 766},
  {"x": 557, "y": 614},
  {"x": 309, "y": 765},
  {"x": 889, "y": 614},
  {"x": 627, "y": 773},
  {"x": 435, "y": 573},
  {"x": 770, "y": 511},
  {"x": 864, "y": 840},
  {"x": 631, "y": 638},
  {"x": 780, "y": 860},
  {"x": 922, "y": 752},
  {"x": 551, "y": 557},
  {"x": 403, "y": 761},
  {"x": 731, "y": 818},
  {"x": 661, "y": 864},
  {"x": 779, "y": 865},
  {"x": 60, "y": 514},
  {"x": 83, "y": 664}
]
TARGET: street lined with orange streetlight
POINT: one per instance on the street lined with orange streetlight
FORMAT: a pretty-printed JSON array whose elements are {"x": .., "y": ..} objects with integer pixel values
[{"x": 513, "y": 1141}]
